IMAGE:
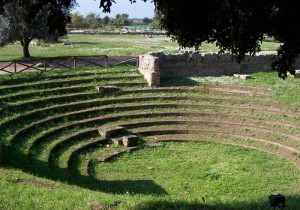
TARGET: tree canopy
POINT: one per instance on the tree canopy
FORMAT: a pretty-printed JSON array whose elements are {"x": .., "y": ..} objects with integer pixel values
[
  {"x": 236, "y": 26},
  {"x": 24, "y": 20}
]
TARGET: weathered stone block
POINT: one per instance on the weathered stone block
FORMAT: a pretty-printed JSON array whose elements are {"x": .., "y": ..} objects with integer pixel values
[
  {"x": 149, "y": 67},
  {"x": 130, "y": 141},
  {"x": 242, "y": 76},
  {"x": 117, "y": 141},
  {"x": 111, "y": 131},
  {"x": 107, "y": 89},
  {"x": 245, "y": 76}
]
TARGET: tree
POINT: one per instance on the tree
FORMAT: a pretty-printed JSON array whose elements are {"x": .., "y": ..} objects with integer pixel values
[
  {"x": 156, "y": 20},
  {"x": 236, "y": 26},
  {"x": 77, "y": 21},
  {"x": 93, "y": 20},
  {"x": 106, "y": 20},
  {"x": 146, "y": 20},
  {"x": 24, "y": 20},
  {"x": 121, "y": 19}
]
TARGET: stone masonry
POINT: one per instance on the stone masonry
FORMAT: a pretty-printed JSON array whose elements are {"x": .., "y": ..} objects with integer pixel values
[{"x": 159, "y": 65}]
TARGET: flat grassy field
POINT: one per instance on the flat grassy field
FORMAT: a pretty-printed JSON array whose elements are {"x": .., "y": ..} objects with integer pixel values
[{"x": 110, "y": 45}]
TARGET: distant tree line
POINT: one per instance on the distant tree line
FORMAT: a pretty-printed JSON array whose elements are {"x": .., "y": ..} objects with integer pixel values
[{"x": 94, "y": 21}]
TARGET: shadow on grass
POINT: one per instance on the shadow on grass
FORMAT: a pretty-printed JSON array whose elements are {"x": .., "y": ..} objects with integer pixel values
[
  {"x": 84, "y": 43},
  {"x": 177, "y": 81},
  {"x": 15, "y": 159},
  {"x": 292, "y": 203},
  {"x": 124, "y": 187}
]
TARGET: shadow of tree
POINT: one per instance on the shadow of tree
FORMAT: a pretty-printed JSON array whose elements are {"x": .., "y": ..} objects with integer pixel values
[
  {"x": 14, "y": 159},
  {"x": 292, "y": 203},
  {"x": 83, "y": 43}
]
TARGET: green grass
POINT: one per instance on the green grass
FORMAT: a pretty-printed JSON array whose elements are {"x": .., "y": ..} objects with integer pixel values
[
  {"x": 109, "y": 45},
  {"x": 285, "y": 91},
  {"x": 200, "y": 170},
  {"x": 175, "y": 176},
  {"x": 172, "y": 176}
]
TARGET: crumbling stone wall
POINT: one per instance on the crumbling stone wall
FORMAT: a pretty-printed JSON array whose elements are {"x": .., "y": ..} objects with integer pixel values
[
  {"x": 159, "y": 65},
  {"x": 149, "y": 67}
]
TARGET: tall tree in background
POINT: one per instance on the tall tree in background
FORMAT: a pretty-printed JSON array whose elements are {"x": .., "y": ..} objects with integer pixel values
[
  {"x": 121, "y": 19},
  {"x": 237, "y": 26},
  {"x": 93, "y": 20},
  {"x": 24, "y": 20},
  {"x": 156, "y": 20},
  {"x": 106, "y": 20},
  {"x": 146, "y": 20},
  {"x": 77, "y": 21}
]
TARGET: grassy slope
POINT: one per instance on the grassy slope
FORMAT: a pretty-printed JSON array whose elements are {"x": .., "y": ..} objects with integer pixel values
[{"x": 179, "y": 176}]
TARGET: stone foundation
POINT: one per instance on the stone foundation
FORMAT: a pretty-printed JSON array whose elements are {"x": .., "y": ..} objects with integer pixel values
[{"x": 159, "y": 65}]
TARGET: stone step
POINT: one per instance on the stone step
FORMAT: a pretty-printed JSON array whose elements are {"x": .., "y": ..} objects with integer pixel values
[
  {"x": 130, "y": 141},
  {"x": 127, "y": 141},
  {"x": 107, "y": 88},
  {"x": 109, "y": 132}
]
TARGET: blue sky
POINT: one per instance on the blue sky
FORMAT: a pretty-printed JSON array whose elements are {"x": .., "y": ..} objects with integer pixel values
[{"x": 139, "y": 9}]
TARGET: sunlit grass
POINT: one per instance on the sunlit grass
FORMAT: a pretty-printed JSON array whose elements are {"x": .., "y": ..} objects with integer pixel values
[
  {"x": 171, "y": 176},
  {"x": 285, "y": 91},
  {"x": 110, "y": 45}
]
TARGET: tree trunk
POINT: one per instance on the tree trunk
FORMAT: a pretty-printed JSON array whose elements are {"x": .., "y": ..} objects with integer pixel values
[
  {"x": 1, "y": 154},
  {"x": 25, "y": 44},
  {"x": 26, "y": 53}
]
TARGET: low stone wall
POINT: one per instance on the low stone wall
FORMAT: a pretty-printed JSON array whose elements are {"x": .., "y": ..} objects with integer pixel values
[{"x": 159, "y": 65}]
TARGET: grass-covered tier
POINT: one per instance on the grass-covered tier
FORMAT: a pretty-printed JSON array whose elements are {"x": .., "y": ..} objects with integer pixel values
[{"x": 213, "y": 143}]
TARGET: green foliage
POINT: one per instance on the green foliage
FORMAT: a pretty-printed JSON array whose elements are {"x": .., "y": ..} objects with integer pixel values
[
  {"x": 146, "y": 21},
  {"x": 77, "y": 21},
  {"x": 91, "y": 20},
  {"x": 25, "y": 20},
  {"x": 237, "y": 26},
  {"x": 121, "y": 19}
]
